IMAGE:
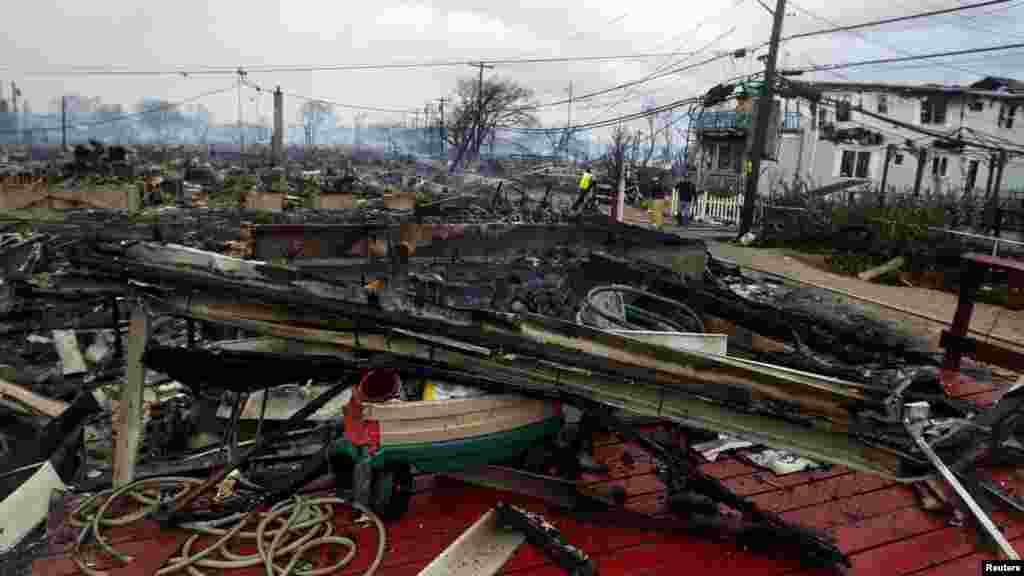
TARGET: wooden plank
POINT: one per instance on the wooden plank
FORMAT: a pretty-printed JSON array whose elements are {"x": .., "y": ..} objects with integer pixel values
[
  {"x": 41, "y": 404},
  {"x": 388, "y": 411},
  {"x": 995, "y": 261},
  {"x": 969, "y": 564},
  {"x": 71, "y": 360},
  {"x": 820, "y": 492},
  {"x": 853, "y": 509},
  {"x": 765, "y": 481},
  {"x": 481, "y": 550},
  {"x": 981, "y": 351},
  {"x": 725, "y": 468},
  {"x": 463, "y": 425},
  {"x": 930, "y": 549},
  {"x": 146, "y": 551},
  {"x": 899, "y": 525},
  {"x": 986, "y": 398},
  {"x": 129, "y": 422},
  {"x": 29, "y": 504}
]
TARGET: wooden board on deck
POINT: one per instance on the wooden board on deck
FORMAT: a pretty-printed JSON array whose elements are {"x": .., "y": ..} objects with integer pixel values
[{"x": 879, "y": 523}]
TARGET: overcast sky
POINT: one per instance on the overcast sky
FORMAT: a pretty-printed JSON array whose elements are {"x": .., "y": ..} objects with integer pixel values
[{"x": 46, "y": 35}]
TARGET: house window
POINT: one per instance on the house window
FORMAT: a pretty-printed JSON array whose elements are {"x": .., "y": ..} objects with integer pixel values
[
  {"x": 933, "y": 110},
  {"x": 1006, "y": 115},
  {"x": 939, "y": 166},
  {"x": 976, "y": 105},
  {"x": 855, "y": 164},
  {"x": 972, "y": 175},
  {"x": 822, "y": 117},
  {"x": 898, "y": 159},
  {"x": 883, "y": 103},
  {"x": 843, "y": 110},
  {"x": 724, "y": 157}
]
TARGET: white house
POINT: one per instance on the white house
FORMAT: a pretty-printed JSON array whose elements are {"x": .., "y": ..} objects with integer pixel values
[{"x": 953, "y": 132}]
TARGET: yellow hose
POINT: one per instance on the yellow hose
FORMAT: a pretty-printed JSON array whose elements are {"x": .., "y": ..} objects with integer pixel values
[{"x": 298, "y": 524}]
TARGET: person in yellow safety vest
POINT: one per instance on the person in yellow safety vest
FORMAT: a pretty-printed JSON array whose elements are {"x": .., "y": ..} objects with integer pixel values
[{"x": 585, "y": 184}]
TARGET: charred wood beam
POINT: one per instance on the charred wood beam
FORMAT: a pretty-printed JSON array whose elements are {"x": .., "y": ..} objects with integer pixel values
[{"x": 241, "y": 371}]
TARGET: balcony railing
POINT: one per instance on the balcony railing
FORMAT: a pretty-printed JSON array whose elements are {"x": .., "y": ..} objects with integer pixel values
[{"x": 731, "y": 120}]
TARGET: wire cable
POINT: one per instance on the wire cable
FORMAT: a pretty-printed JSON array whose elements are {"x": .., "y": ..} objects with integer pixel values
[
  {"x": 233, "y": 70},
  {"x": 840, "y": 66},
  {"x": 884, "y": 21}
]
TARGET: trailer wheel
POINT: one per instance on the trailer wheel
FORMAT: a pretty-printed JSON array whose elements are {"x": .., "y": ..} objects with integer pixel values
[{"x": 392, "y": 490}]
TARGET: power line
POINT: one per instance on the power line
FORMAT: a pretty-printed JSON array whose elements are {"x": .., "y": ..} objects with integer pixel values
[
  {"x": 826, "y": 67},
  {"x": 340, "y": 104},
  {"x": 608, "y": 122},
  {"x": 160, "y": 108},
  {"x": 884, "y": 21},
  {"x": 657, "y": 73},
  {"x": 643, "y": 80},
  {"x": 233, "y": 70},
  {"x": 865, "y": 37},
  {"x": 666, "y": 63},
  {"x": 966, "y": 21}
]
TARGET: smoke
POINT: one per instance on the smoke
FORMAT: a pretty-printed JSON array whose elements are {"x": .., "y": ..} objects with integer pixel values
[{"x": 156, "y": 121}]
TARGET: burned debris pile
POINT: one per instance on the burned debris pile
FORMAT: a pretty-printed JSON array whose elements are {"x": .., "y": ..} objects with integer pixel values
[{"x": 360, "y": 350}]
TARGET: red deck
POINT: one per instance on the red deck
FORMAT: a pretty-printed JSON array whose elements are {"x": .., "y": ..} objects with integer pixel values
[{"x": 878, "y": 523}]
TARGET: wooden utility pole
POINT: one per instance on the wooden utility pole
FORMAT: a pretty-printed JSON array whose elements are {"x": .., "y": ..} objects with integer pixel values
[
  {"x": 241, "y": 120},
  {"x": 277, "y": 144},
  {"x": 14, "y": 108},
  {"x": 440, "y": 126},
  {"x": 922, "y": 158},
  {"x": 479, "y": 132},
  {"x": 889, "y": 151},
  {"x": 764, "y": 114},
  {"x": 568, "y": 123},
  {"x": 63, "y": 123}
]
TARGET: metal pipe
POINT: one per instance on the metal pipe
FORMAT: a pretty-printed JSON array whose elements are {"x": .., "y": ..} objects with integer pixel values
[{"x": 914, "y": 429}]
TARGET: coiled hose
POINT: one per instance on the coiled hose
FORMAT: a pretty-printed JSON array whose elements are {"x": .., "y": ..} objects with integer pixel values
[
  {"x": 284, "y": 533},
  {"x": 698, "y": 322}
]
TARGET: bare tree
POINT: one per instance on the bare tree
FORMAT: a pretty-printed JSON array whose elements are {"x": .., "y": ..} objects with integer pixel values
[
  {"x": 501, "y": 103},
  {"x": 619, "y": 152}
]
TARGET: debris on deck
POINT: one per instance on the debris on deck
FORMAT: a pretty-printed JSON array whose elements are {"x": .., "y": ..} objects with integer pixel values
[{"x": 203, "y": 372}]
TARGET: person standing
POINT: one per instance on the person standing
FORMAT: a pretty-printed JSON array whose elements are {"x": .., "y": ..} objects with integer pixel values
[
  {"x": 658, "y": 202},
  {"x": 584, "y": 185},
  {"x": 686, "y": 193}
]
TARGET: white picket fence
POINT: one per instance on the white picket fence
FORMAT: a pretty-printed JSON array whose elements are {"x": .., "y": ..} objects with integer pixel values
[{"x": 710, "y": 208}]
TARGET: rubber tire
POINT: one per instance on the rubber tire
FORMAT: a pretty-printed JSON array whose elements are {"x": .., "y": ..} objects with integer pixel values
[{"x": 391, "y": 491}]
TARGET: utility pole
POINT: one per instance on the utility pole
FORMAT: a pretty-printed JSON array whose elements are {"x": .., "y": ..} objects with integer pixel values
[
  {"x": 568, "y": 122},
  {"x": 479, "y": 133},
  {"x": 277, "y": 145},
  {"x": 764, "y": 114},
  {"x": 241, "y": 120},
  {"x": 440, "y": 127},
  {"x": 63, "y": 123},
  {"x": 14, "y": 108}
]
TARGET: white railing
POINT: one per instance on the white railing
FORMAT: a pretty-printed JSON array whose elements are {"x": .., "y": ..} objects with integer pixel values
[{"x": 717, "y": 208}]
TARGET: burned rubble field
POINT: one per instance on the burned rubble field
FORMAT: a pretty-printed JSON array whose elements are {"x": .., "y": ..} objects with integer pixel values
[{"x": 56, "y": 284}]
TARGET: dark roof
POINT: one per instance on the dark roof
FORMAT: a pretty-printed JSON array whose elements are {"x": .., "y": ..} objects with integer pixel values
[
  {"x": 989, "y": 87},
  {"x": 997, "y": 84}
]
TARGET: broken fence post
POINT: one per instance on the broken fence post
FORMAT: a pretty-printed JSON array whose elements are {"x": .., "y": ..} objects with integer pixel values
[{"x": 129, "y": 420}]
